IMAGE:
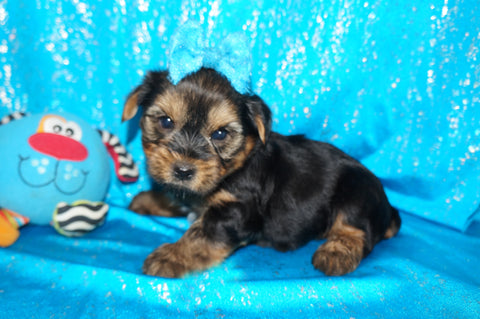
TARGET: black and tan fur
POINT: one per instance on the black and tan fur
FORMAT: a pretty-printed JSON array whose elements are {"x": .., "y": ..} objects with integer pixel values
[{"x": 253, "y": 186}]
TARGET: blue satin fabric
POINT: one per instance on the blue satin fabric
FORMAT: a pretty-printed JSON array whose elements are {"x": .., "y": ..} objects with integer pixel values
[{"x": 394, "y": 84}]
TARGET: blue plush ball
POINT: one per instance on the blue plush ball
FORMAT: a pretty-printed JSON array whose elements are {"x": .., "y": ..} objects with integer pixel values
[{"x": 48, "y": 159}]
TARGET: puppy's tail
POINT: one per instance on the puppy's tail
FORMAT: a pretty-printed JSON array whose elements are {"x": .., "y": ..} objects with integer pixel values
[{"x": 395, "y": 224}]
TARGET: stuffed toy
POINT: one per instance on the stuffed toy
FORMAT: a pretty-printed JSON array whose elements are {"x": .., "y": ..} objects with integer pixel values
[{"x": 55, "y": 170}]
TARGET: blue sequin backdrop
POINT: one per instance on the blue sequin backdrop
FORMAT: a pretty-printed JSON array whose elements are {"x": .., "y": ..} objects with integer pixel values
[{"x": 393, "y": 83}]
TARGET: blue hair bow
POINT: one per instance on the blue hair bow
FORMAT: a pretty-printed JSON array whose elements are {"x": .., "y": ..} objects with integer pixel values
[{"x": 189, "y": 52}]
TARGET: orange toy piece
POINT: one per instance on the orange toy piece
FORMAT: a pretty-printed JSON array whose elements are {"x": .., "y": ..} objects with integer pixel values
[{"x": 10, "y": 222}]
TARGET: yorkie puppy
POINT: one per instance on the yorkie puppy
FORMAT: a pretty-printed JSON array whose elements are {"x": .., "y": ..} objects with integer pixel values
[{"x": 252, "y": 186}]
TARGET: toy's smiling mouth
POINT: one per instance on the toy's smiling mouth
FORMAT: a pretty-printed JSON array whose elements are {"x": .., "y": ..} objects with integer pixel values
[{"x": 42, "y": 171}]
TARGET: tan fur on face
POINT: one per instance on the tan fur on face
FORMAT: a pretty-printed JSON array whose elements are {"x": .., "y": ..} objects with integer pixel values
[
  {"x": 161, "y": 161},
  {"x": 172, "y": 104},
  {"x": 243, "y": 155},
  {"x": 225, "y": 115},
  {"x": 221, "y": 115},
  {"x": 225, "y": 155},
  {"x": 343, "y": 250}
]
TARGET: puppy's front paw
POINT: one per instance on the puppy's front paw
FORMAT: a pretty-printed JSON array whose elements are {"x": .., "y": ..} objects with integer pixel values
[
  {"x": 164, "y": 262},
  {"x": 142, "y": 204},
  {"x": 155, "y": 203},
  {"x": 193, "y": 252}
]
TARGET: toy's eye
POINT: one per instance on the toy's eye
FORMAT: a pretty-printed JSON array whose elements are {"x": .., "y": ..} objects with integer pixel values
[
  {"x": 53, "y": 125},
  {"x": 57, "y": 125},
  {"x": 57, "y": 129},
  {"x": 72, "y": 130},
  {"x": 219, "y": 135},
  {"x": 166, "y": 122}
]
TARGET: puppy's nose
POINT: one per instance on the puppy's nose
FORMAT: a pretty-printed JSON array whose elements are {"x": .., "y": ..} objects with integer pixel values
[{"x": 183, "y": 172}]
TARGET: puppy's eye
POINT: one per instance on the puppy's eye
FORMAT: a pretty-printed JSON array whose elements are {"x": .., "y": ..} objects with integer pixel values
[
  {"x": 219, "y": 135},
  {"x": 166, "y": 122}
]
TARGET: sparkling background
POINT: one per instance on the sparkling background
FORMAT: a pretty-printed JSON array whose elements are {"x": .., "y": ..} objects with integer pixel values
[{"x": 395, "y": 84}]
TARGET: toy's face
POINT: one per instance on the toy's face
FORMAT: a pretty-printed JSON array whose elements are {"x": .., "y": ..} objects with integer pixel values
[
  {"x": 50, "y": 158},
  {"x": 58, "y": 149}
]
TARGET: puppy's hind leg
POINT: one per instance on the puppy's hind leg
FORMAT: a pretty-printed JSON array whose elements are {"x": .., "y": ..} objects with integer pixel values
[
  {"x": 343, "y": 250},
  {"x": 395, "y": 224}
]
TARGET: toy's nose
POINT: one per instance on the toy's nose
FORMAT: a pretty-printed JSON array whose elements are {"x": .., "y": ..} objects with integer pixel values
[{"x": 58, "y": 146}]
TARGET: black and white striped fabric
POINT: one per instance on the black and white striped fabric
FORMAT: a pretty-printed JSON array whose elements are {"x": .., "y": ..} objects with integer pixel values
[
  {"x": 77, "y": 219},
  {"x": 12, "y": 117},
  {"x": 125, "y": 167}
]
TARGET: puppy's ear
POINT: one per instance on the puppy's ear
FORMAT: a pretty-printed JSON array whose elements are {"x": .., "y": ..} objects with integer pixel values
[
  {"x": 260, "y": 116},
  {"x": 131, "y": 105},
  {"x": 153, "y": 84}
]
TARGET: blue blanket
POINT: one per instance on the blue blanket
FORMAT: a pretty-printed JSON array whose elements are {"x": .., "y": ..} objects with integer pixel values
[
  {"x": 395, "y": 85},
  {"x": 427, "y": 271}
]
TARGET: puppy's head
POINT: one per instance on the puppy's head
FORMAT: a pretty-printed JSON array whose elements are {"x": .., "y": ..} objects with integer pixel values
[{"x": 199, "y": 131}]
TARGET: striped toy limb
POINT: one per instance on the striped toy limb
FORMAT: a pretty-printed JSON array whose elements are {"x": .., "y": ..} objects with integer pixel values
[
  {"x": 12, "y": 117},
  {"x": 79, "y": 218},
  {"x": 125, "y": 167}
]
